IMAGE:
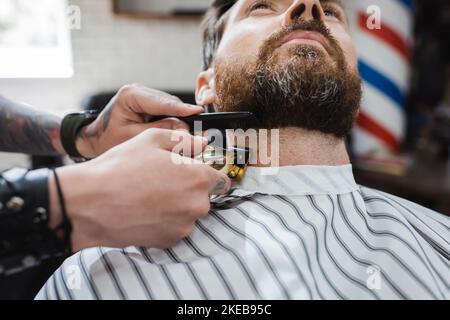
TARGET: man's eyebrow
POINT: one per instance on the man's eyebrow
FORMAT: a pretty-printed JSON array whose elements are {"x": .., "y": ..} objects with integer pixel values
[{"x": 338, "y": 2}]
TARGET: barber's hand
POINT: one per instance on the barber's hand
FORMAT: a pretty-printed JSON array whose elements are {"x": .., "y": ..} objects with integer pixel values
[
  {"x": 138, "y": 193},
  {"x": 125, "y": 117}
]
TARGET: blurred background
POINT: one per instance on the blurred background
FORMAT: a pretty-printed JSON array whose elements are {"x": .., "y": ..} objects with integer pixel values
[{"x": 66, "y": 55}]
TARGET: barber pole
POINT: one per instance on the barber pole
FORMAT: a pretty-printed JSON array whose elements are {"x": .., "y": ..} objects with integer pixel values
[{"x": 382, "y": 31}]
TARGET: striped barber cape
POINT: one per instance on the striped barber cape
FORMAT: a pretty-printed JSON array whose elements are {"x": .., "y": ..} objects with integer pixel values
[{"x": 307, "y": 232}]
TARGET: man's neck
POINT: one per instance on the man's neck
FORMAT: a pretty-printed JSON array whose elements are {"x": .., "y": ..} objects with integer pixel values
[{"x": 298, "y": 146}]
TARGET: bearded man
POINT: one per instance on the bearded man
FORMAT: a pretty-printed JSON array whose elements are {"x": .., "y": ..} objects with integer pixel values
[{"x": 308, "y": 231}]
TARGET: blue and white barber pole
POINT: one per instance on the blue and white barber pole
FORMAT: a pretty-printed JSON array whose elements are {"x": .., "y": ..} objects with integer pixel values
[{"x": 382, "y": 31}]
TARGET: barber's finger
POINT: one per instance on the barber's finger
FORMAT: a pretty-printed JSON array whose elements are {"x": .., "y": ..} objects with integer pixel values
[
  {"x": 171, "y": 140},
  {"x": 185, "y": 160},
  {"x": 157, "y": 103},
  {"x": 220, "y": 183},
  {"x": 190, "y": 148},
  {"x": 168, "y": 123}
]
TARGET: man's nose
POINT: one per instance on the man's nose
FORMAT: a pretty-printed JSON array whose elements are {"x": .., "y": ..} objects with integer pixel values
[{"x": 305, "y": 9}]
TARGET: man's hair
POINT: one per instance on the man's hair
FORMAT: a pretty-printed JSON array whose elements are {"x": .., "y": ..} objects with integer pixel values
[{"x": 213, "y": 27}]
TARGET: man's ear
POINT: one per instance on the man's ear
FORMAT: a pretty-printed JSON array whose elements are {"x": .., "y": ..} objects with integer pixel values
[{"x": 205, "y": 93}]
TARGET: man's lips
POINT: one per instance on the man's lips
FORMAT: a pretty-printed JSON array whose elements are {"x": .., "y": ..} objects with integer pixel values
[{"x": 313, "y": 38}]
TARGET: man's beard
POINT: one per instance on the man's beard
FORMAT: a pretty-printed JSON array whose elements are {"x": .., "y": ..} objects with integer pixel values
[{"x": 307, "y": 89}]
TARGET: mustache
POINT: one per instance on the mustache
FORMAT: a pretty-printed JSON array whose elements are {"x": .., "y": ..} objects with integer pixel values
[{"x": 276, "y": 39}]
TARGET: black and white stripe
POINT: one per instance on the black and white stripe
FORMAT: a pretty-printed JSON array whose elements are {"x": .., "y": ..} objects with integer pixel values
[{"x": 307, "y": 233}]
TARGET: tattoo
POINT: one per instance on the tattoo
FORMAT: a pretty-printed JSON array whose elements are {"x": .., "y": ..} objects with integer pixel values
[{"x": 25, "y": 130}]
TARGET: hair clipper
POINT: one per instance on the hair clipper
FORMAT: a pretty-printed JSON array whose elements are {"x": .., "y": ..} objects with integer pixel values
[{"x": 231, "y": 160}]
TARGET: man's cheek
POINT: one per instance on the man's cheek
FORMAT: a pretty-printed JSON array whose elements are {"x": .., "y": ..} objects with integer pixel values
[
  {"x": 350, "y": 52},
  {"x": 352, "y": 59},
  {"x": 240, "y": 43}
]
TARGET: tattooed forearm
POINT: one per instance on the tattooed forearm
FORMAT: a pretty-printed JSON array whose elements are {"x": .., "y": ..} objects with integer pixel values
[{"x": 25, "y": 130}]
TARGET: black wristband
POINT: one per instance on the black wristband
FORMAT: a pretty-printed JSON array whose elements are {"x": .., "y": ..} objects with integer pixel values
[
  {"x": 24, "y": 219},
  {"x": 70, "y": 128},
  {"x": 24, "y": 191}
]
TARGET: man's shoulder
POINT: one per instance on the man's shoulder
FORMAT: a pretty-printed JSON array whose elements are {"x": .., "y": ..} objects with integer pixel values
[
  {"x": 373, "y": 197},
  {"x": 78, "y": 276}
]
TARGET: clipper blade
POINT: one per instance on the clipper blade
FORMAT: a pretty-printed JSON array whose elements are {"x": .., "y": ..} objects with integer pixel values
[{"x": 232, "y": 161}]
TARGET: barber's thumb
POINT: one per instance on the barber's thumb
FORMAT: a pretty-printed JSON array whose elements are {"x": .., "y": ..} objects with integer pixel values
[{"x": 221, "y": 184}]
